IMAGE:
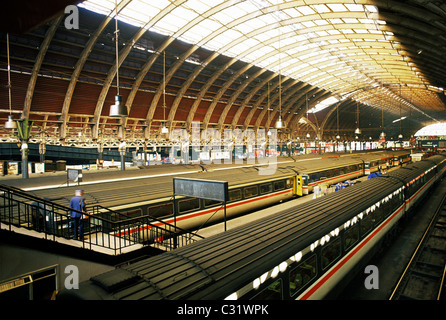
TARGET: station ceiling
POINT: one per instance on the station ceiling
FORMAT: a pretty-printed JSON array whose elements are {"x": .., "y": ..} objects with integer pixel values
[{"x": 227, "y": 64}]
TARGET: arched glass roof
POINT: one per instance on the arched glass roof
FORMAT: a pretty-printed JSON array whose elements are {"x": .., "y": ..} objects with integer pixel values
[
  {"x": 342, "y": 46},
  {"x": 436, "y": 129},
  {"x": 323, "y": 66}
]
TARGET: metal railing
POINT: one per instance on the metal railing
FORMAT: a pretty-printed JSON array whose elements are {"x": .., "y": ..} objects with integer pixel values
[{"x": 102, "y": 228}]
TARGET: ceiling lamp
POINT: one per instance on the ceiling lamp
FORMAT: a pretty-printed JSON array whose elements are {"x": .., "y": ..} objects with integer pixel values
[
  {"x": 279, "y": 123},
  {"x": 164, "y": 129},
  {"x": 118, "y": 109},
  {"x": 338, "y": 137},
  {"x": 10, "y": 124},
  {"x": 383, "y": 134},
  {"x": 400, "y": 136},
  {"x": 357, "y": 131}
]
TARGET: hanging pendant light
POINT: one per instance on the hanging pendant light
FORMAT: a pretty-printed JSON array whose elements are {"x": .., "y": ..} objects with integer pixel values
[
  {"x": 279, "y": 122},
  {"x": 118, "y": 109},
  {"x": 357, "y": 131},
  {"x": 10, "y": 124},
  {"x": 164, "y": 129}
]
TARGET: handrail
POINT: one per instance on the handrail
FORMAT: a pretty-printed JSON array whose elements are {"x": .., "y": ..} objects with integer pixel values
[
  {"x": 143, "y": 219},
  {"x": 21, "y": 209}
]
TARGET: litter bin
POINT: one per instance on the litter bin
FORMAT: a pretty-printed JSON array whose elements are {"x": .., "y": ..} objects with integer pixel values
[
  {"x": 61, "y": 165},
  {"x": 50, "y": 166}
]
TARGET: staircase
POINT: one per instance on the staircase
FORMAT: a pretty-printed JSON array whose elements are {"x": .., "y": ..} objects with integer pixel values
[{"x": 104, "y": 230}]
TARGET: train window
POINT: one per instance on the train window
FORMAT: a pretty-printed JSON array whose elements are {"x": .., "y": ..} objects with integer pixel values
[
  {"x": 330, "y": 253},
  {"x": 133, "y": 213},
  {"x": 289, "y": 183},
  {"x": 161, "y": 210},
  {"x": 272, "y": 292},
  {"x": 266, "y": 188},
  {"x": 188, "y": 205},
  {"x": 351, "y": 236},
  {"x": 235, "y": 194},
  {"x": 279, "y": 185},
  {"x": 366, "y": 224},
  {"x": 211, "y": 203},
  {"x": 302, "y": 275},
  {"x": 250, "y": 191},
  {"x": 377, "y": 216}
]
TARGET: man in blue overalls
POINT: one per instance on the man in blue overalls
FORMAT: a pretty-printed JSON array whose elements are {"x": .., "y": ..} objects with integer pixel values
[{"x": 77, "y": 203}]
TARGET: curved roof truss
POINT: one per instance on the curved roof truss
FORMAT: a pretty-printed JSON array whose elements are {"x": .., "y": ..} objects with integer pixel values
[{"x": 236, "y": 63}]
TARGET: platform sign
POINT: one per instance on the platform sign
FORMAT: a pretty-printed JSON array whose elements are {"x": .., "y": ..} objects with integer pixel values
[
  {"x": 203, "y": 189},
  {"x": 74, "y": 175}
]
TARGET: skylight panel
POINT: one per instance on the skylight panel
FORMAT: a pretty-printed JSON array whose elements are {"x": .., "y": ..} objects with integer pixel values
[
  {"x": 305, "y": 10},
  {"x": 257, "y": 54},
  {"x": 223, "y": 17},
  {"x": 224, "y": 39},
  {"x": 200, "y": 31},
  {"x": 242, "y": 47},
  {"x": 201, "y": 7},
  {"x": 184, "y": 14},
  {"x": 324, "y": 104},
  {"x": 244, "y": 28},
  {"x": 333, "y": 32},
  {"x": 99, "y": 6},
  {"x": 309, "y": 24},
  {"x": 246, "y": 7},
  {"x": 232, "y": 13},
  {"x": 175, "y": 20},
  {"x": 297, "y": 68},
  {"x": 371, "y": 9},
  {"x": 142, "y": 8},
  {"x": 354, "y": 7},
  {"x": 350, "y": 20},
  {"x": 293, "y": 13},
  {"x": 320, "y": 22},
  {"x": 322, "y": 33},
  {"x": 335, "y": 21},
  {"x": 320, "y": 8},
  {"x": 345, "y": 31},
  {"x": 336, "y": 7},
  {"x": 262, "y": 37}
]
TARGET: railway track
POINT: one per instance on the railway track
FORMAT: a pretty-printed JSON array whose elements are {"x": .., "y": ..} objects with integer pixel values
[{"x": 424, "y": 276}]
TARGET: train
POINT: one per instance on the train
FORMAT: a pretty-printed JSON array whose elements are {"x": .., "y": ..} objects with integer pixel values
[
  {"x": 299, "y": 253},
  {"x": 151, "y": 197}
]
